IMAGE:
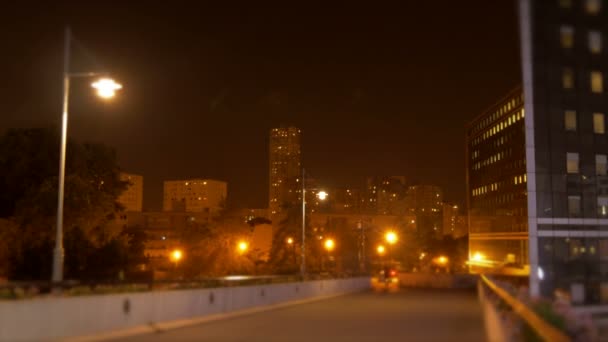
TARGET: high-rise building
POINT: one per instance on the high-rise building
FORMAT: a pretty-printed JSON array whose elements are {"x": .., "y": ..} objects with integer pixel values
[
  {"x": 496, "y": 183},
  {"x": 132, "y": 197},
  {"x": 564, "y": 82},
  {"x": 195, "y": 195},
  {"x": 538, "y": 188},
  {"x": 285, "y": 170}
]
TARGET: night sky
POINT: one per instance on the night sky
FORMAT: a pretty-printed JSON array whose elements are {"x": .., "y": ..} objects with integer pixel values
[{"x": 376, "y": 90}]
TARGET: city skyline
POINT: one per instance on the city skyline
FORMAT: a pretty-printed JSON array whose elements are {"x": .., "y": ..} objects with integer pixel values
[{"x": 200, "y": 93}]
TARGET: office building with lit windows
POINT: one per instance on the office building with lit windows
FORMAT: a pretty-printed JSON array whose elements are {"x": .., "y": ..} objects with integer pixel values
[
  {"x": 132, "y": 198},
  {"x": 195, "y": 195},
  {"x": 564, "y": 65},
  {"x": 285, "y": 170},
  {"x": 562, "y": 187},
  {"x": 385, "y": 195},
  {"x": 496, "y": 183}
]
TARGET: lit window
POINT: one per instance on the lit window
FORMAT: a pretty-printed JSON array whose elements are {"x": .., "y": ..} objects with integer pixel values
[
  {"x": 574, "y": 205},
  {"x": 567, "y": 78},
  {"x": 597, "y": 82},
  {"x": 566, "y": 34},
  {"x": 600, "y": 164},
  {"x": 593, "y": 6},
  {"x": 602, "y": 205},
  {"x": 565, "y": 3},
  {"x": 570, "y": 120},
  {"x": 595, "y": 41},
  {"x": 598, "y": 123},
  {"x": 572, "y": 162}
]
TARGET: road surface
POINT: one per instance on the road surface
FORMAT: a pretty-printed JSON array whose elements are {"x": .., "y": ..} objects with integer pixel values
[{"x": 401, "y": 315}]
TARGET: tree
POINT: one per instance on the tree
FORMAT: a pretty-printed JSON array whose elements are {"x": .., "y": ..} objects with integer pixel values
[{"x": 28, "y": 199}]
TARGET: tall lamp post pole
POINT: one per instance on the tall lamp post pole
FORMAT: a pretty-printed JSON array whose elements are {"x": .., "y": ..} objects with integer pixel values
[
  {"x": 106, "y": 88},
  {"x": 58, "y": 252},
  {"x": 303, "y": 249}
]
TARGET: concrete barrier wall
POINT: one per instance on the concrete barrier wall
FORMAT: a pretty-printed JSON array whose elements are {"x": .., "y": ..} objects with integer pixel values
[
  {"x": 438, "y": 280},
  {"x": 53, "y": 318}
]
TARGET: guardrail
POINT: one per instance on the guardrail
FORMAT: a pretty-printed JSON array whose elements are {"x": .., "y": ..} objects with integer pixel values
[
  {"x": 543, "y": 329},
  {"x": 31, "y": 289},
  {"x": 126, "y": 314}
]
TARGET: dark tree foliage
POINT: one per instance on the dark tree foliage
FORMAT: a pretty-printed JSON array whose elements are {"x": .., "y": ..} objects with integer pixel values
[{"x": 94, "y": 248}]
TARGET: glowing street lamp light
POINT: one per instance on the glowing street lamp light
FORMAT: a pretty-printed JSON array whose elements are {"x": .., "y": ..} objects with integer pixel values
[
  {"x": 289, "y": 241},
  {"x": 106, "y": 88},
  {"x": 391, "y": 237},
  {"x": 177, "y": 255},
  {"x": 329, "y": 245},
  {"x": 381, "y": 250},
  {"x": 243, "y": 247},
  {"x": 322, "y": 195}
]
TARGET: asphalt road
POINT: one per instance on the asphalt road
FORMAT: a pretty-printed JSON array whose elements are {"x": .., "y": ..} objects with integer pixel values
[{"x": 400, "y": 315}]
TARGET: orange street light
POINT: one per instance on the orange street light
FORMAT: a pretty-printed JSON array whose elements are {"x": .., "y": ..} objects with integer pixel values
[
  {"x": 329, "y": 245},
  {"x": 177, "y": 255},
  {"x": 381, "y": 250},
  {"x": 289, "y": 241},
  {"x": 243, "y": 247},
  {"x": 391, "y": 237}
]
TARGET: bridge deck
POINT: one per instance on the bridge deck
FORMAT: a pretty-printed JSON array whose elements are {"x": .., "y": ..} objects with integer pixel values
[{"x": 403, "y": 315}]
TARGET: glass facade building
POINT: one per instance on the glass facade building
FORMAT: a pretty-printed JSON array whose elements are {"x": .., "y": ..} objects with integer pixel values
[
  {"x": 564, "y": 75},
  {"x": 555, "y": 217}
]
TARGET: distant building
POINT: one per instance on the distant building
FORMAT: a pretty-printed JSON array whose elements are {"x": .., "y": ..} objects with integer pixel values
[
  {"x": 425, "y": 202},
  {"x": 385, "y": 195},
  {"x": 285, "y": 170},
  {"x": 132, "y": 197},
  {"x": 195, "y": 195},
  {"x": 454, "y": 224},
  {"x": 344, "y": 200}
]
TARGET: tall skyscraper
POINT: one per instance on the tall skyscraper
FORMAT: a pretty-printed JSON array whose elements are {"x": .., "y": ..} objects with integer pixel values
[
  {"x": 195, "y": 195},
  {"x": 132, "y": 197},
  {"x": 538, "y": 188},
  {"x": 285, "y": 170}
]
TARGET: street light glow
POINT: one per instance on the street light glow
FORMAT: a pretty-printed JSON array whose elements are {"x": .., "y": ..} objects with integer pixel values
[
  {"x": 322, "y": 195},
  {"x": 243, "y": 246},
  {"x": 391, "y": 237},
  {"x": 478, "y": 256},
  {"x": 106, "y": 87},
  {"x": 290, "y": 241},
  {"x": 176, "y": 255},
  {"x": 381, "y": 250},
  {"x": 329, "y": 245}
]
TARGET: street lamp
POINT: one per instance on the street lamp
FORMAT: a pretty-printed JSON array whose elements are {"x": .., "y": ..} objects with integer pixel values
[
  {"x": 176, "y": 256},
  {"x": 243, "y": 247},
  {"x": 391, "y": 237},
  {"x": 329, "y": 245},
  {"x": 322, "y": 195},
  {"x": 381, "y": 250},
  {"x": 106, "y": 88}
]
